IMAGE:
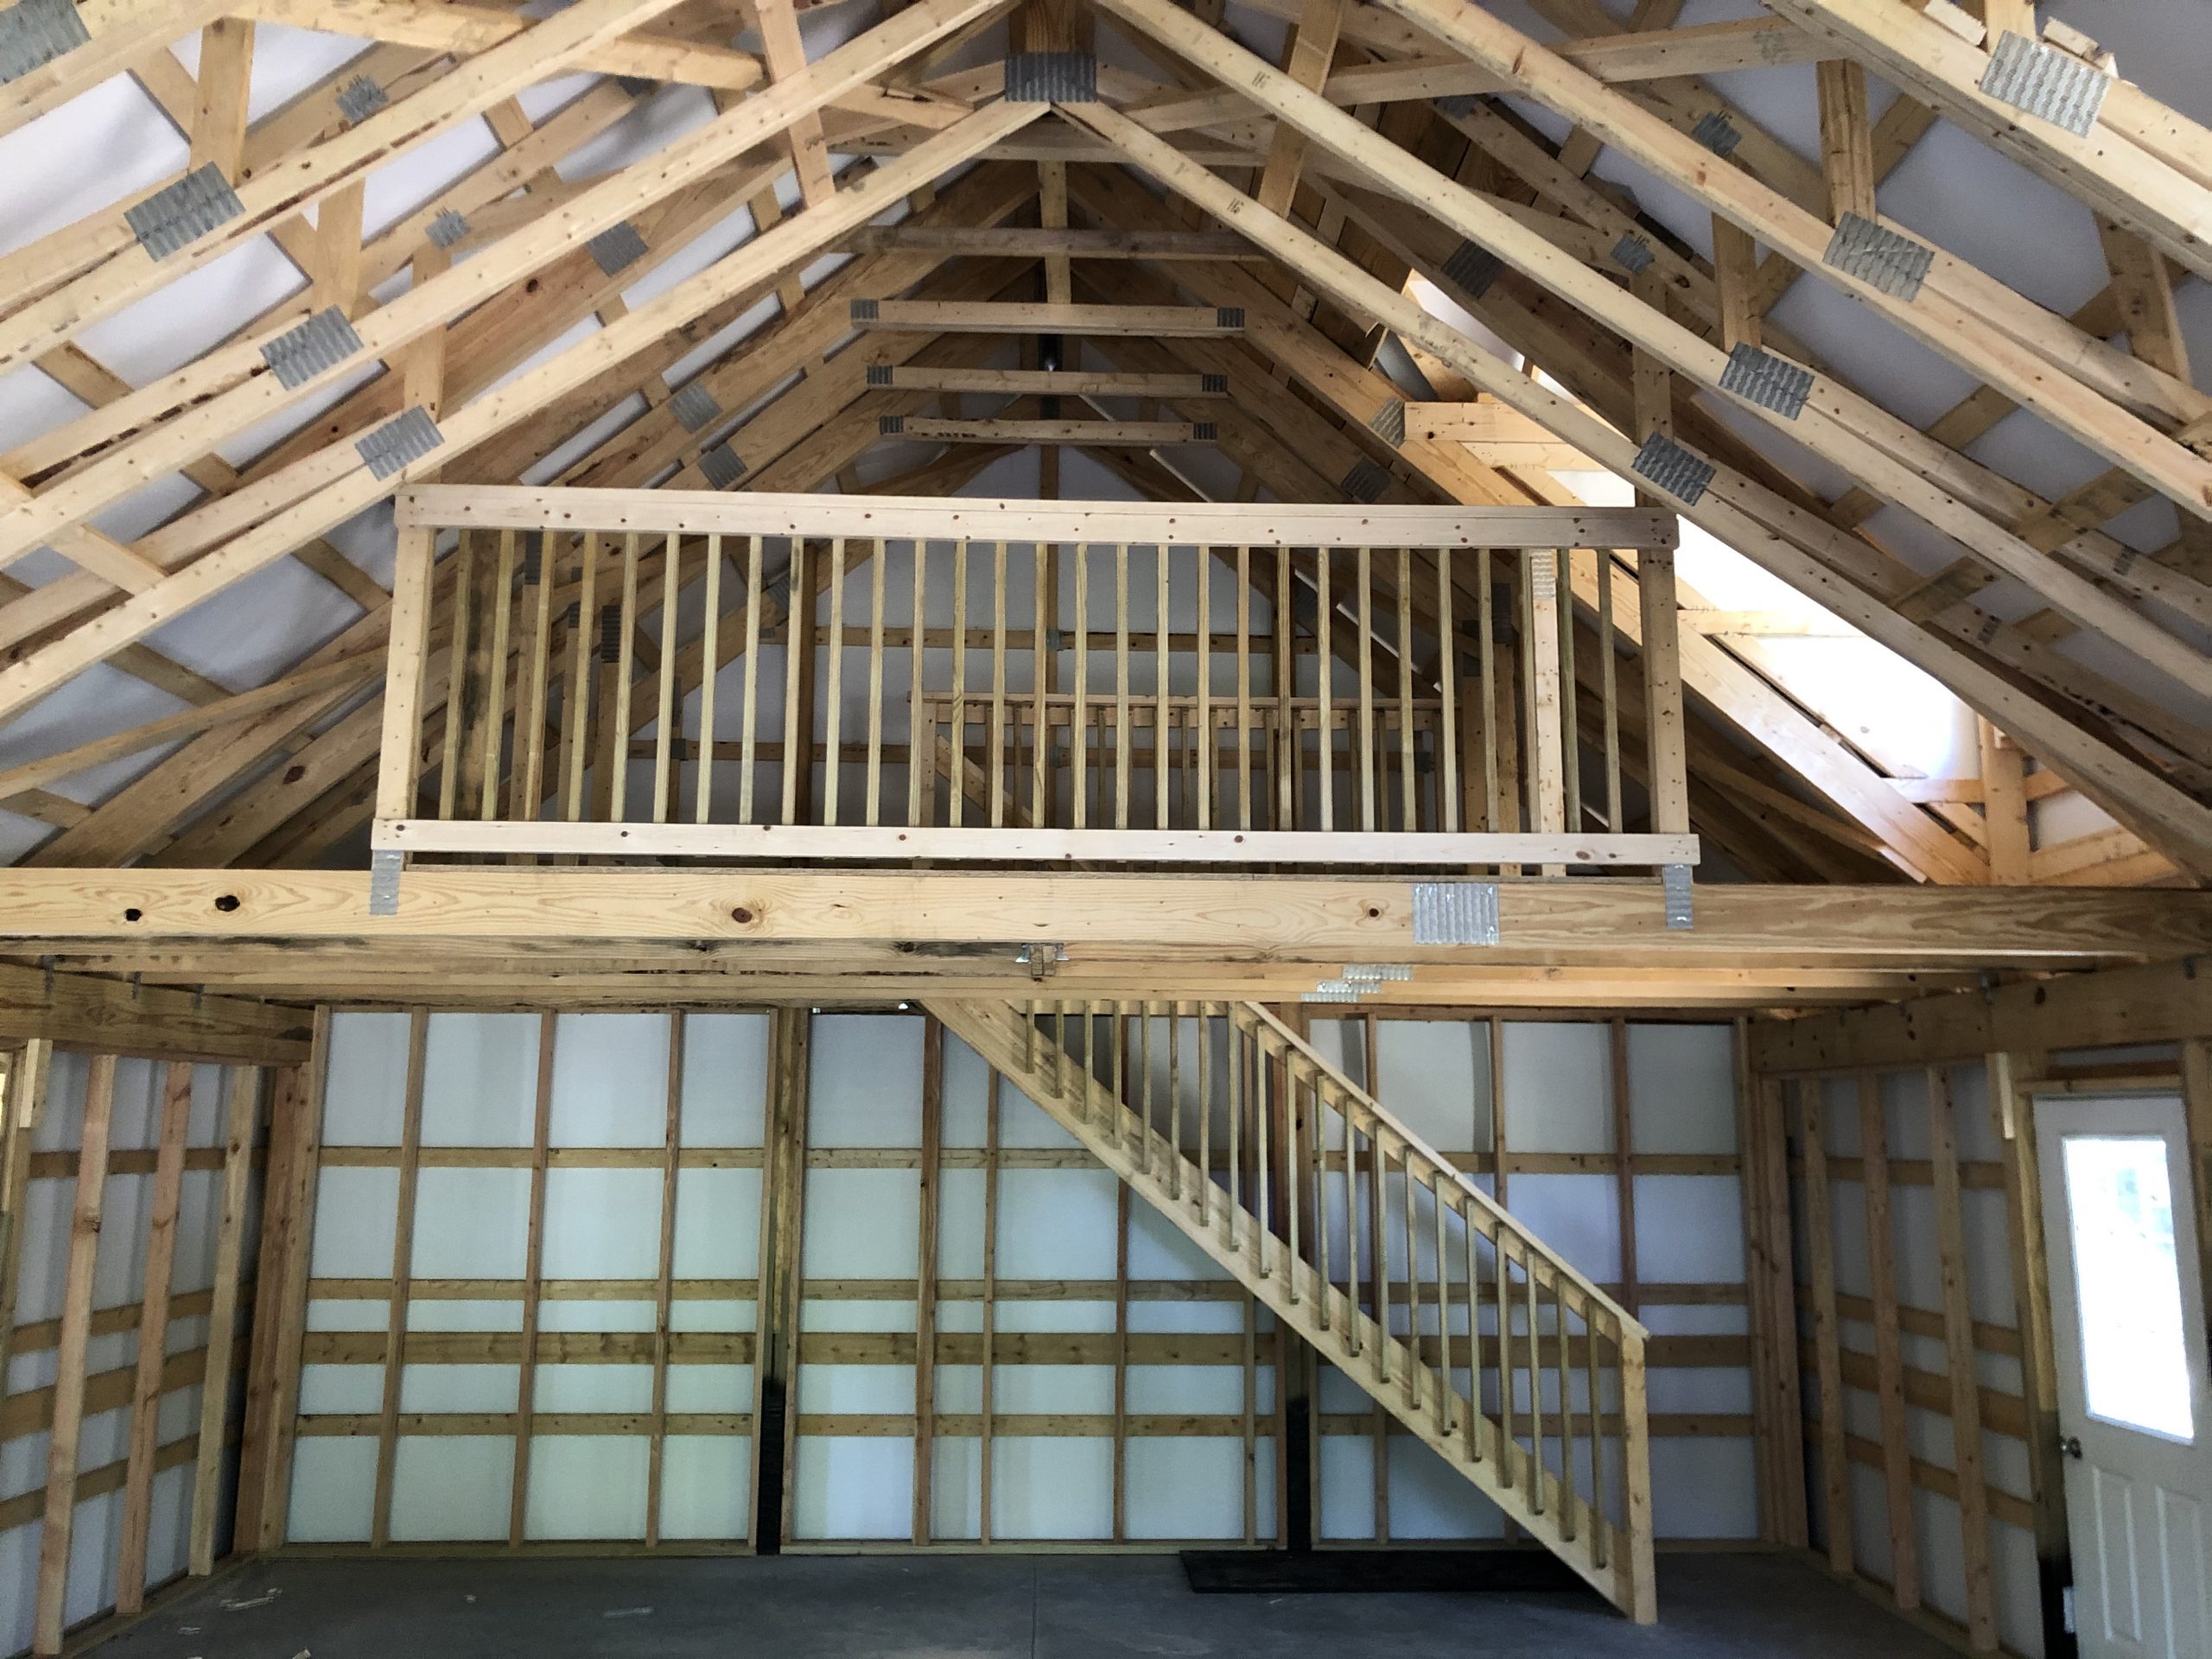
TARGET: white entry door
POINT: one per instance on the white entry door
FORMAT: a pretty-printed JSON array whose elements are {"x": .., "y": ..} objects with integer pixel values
[{"x": 2135, "y": 1407}]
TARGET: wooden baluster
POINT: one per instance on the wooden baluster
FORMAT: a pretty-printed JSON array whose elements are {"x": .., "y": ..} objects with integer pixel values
[
  {"x": 1263, "y": 1162},
  {"x": 1598, "y": 1504},
  {"x": 921, "y": 745},
  {"x": 1467, "y": 1211},
  {"x": 1283, "y": 670},
  {"x": 495, "y": 680},
  {"x": 711, "y": 662},
  {"x": 1535, "y": 1387},
  {"x": 956, "y": 790},
  {"x": 526, "y": 795},
  {"x": 1293, "y": 1158},
  {"x": 1366, "y": 673},
  {"x": 664, "y": 675},
  {"x": 1444, "y": 1389},
  {"x": 1159, "y": 682},
  {"x": 873, "y": 813},
  {"x": 1234, "y": 1081},
  {"x": 1413, "y": 1275},
  {"x": 1243, "y": 688},
  {"x": 1608, "y": 672},
  {"x": 798, "y": 745},
  {"x": 1079, "y": 711},
  {"x": 997, "y": 769},
  {"x": 1566, "y": 1408},
  {"x": 1447, "y": 678},
  {"x": 1378, "y": 1252},
  {"x": 1409, "y": 812},
  {"x": 1318, "y": 1140},
  {"x": 1205, "y": 1095},
  {"x": 1175, "y": 1100},
  {"x": 457, "y": 693},
  {"x": 1486, "y": 666},
  {"x": 1347, "y": 1184},
  {"x": 1202, "y": 719},
  {"x": 748, "y": 733},
  {"x": 1570, "y": 694},
  {"x": 615, "y": 741},
  {"x": 1041, "y": 663},
  {"x": 1324, "y": 667},
  {"x": 576, "y": 712},
  {"x": 833, "y": 764},
  {"x": 1122, "y": 737},
  {"x": 1502, "y": 1258}
]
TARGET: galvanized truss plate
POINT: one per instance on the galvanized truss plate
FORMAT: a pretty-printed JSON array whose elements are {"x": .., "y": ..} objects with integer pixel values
[
  {"x": 865, "y": 310},
  {"x": 1717, "y": 133},
  {"x": 610, "y": 634},
  {"x": 447, "y": 228},
  {"x": 617, "y": 248},
  {"x": 1471, "y": 268},
  {"x": 1376, "y": 972},
  {"x": 1340, "y": 990},
  {"x": 1216, "y": 385},
  {"x": 1390, "y": 423},
  {"x": 323, "y": 342},
  {"x": 361, "y": 98},
  {"x": 1674, "y": 885},
  {"x": 34, "y": 33},
  {"x": 721, "y": 468},
  {"x": 1455, "y": 912},
  {"x": 383, "y": 881},
  {"x": 1051, "y": 78},
  {"x": 409, "y": 436},
  {"x": 1229, "y": 317},
  {"x": 2043, "y": 81},
  {"x": 890, "y": 426},
  {"x": 881, "y": 374},
  {"x": 186, "y": 211},
  {"x": 1458, "y": 105},
  {"x": 1633, "y": 255},
  {"x": 694, "y": 407},
  {"x": 1895, "y": 264},
  {"x": 1672, "y": 468},
  {"x": 1365, "y": 481},
  {"x": 1759, "y": 377},
  {"x": 1205, "y": 432}
]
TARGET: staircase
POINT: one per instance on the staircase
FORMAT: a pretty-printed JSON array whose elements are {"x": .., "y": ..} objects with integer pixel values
[{"x": 1509, "y": 1364}]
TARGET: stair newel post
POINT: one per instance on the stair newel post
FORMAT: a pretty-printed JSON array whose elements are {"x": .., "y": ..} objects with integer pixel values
[
  {"x": 1474, "y": 1335},
  {"x": 1636, "y": 1458}
]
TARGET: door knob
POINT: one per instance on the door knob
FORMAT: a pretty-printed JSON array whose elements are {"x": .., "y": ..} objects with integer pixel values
[{"x": 2070, "y": 1444}]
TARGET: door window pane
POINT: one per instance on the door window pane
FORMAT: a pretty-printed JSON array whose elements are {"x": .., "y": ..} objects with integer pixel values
[{"x": 2127, "y": 1283}]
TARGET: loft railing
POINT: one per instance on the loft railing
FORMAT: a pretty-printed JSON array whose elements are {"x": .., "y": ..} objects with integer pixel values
[{"x": 620, "y": 675}]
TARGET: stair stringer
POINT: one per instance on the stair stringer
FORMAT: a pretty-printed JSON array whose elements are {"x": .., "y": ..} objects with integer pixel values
[{"x": 1413, "y": 1393}]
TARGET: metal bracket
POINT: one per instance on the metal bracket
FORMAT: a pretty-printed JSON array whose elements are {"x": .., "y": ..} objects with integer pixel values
[
  {"x": 447, "y": 228},
  {"x": 2042, "y": 80},
  {"x": 384, "y": 880},
  {"x": 361, "y": 98},
  {"x": 1051, "y": 78},
  {"x": 1205, "y": 432},
  {"x": 1717, "y": 133},
  {"x": 890, "y": 426},
  {"x": 865, "y": 310},
  {"x": 1878, "y": 256},
  {"x": 1365, "y": 481},
  {"x": 323, "y": 342},
  {"x": 723, "y": 467},
  {"x": 694, "y": 407},
  {"x": 1041, "y": 960},
  {"x": 1230, "y": 318},
  {"x": 1471, "y": 268},
  {"x": 1455, "y": 912},
  {"x": 882, "y": 374},
  {"x": 180, "y": 215},
  {"x": 1672, "y": 468},
  {"x": 617, "y": 248},
  {"x": 1759, "y": 377},
  {"x": 1214, "y": 384},
  {"x": 1633, "y": 255},
  {"x": 1338, "y": 990},
  {"x": 409, "y": 436},
  {"x": 1378, "y": 973},
  {"x": 1390, "y": 423},
  {"x": 1675, "y": 883},
  {"x": 34, "y": 33}
]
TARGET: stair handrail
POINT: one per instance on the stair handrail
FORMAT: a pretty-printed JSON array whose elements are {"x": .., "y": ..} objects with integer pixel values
[{"x": 1628, "y": 1326}]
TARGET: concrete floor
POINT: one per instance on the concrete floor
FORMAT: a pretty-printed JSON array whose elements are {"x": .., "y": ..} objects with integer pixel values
[{"x": 971, "y": 1607}]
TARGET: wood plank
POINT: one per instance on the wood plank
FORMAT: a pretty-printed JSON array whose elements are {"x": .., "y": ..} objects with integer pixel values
[
  {"x": 1888, "y": 1358},
  {"x": 241, "y": 1108},
  {"x": 65, "y": 1434},
  {"x": 153, "y": 1339}
]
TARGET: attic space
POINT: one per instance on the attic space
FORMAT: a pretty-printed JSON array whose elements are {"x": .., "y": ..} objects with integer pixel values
[{"x": 1059, "y": 828}]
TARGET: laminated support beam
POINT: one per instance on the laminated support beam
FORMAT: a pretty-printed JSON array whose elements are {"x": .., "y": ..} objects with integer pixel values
[{"x": 2176, "y": 822}]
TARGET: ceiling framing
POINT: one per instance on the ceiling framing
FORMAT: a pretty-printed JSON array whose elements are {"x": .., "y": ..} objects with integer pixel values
[{"x": 543, "y": 305}]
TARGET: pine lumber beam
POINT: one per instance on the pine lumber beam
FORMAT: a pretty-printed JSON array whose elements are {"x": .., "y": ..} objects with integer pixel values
[
  {"x": 84, "y": 1012},
  {"x": 1323, "y": 917},
  {"x": 2169, "y": 818},
  {"x": 2145, "y": 167},
  {"x": 1074, "y": 383},
  {"x": 1037, "y": 242},
  {"x": 922, "y": 316},
  {"x": 1140, "y": 435},
  {"x": 123, "y": 33}
]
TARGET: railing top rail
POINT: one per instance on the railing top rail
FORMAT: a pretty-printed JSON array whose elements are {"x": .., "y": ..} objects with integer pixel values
[
  {"x": 1630, "y": 1326},
  {"x": 934, "y": 518}
]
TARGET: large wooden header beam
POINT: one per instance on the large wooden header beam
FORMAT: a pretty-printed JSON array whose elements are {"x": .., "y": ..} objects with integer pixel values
[
  {"x": 1322, "y": 919},
  {"x": 909, "y": 518}
]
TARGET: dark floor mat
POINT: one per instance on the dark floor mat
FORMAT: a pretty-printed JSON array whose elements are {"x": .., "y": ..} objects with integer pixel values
[{"x": 1340, "y": 1571}]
